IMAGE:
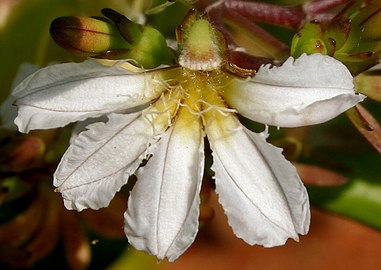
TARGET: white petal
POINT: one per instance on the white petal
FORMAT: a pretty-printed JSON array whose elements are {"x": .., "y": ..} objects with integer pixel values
[
  {"x": 163, "y": 209},
  {"x": 65, "y": 93},
  {"x": 25, "y": 70},
  {"x": 260, "y": 191},
  {"x": 81, "y": 126},
  {"x": 8, "y": 112},
  {"x": 310, "y": 90},
  {"x": 101, "y": 159}
]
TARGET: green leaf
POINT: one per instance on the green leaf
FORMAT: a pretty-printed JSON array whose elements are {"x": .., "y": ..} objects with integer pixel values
[{"x": 360, "y": 198}]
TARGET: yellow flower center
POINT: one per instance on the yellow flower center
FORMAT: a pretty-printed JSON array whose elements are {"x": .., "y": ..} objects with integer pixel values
[{"x": 197, "y": 94}]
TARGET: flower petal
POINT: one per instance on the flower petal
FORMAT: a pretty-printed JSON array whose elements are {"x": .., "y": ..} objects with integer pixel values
[
  {"x": 8, "y": 112},
  {"x": 61, "y": 94},
  {"x": 101, "y": 159},
  {"x": 163, "y": 209},
  {"x": 309, "y": 90},
  {"x": 262, "y": 195}
]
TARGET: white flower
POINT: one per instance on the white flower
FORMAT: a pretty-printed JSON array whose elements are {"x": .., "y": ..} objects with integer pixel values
[{"x": 164, "y": 115}]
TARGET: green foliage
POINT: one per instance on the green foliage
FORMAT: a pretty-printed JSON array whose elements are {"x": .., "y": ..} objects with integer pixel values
[
  {"x": 347, "y": 37},
  {"x": 360, "y": 198},
  {"x": 337, "y": 144}
]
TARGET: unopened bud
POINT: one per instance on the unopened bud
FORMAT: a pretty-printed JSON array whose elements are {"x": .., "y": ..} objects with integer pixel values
[
  {"x": 86, "y": 36},
  {"x": 308, "y": 40},
  {"x": 371, "y": 25},
  {"x": 338, "y": 31},
  {"x": 114, "y": 37},
  {"x": 146, "y": 45},
  {"x": 359, "y": 26}
]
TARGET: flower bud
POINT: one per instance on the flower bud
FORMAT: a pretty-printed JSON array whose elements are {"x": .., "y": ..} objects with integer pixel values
[
  {"x": 338, "y": 31},
  {"x": 146, "y": 45},
  {"x": 86, "y": 36},
  {"x": 309, "y": 40},
  {"x": 371, "y": 24},
  {"x": 356, "y": 29},
  {"x": 114, "y": 37}
]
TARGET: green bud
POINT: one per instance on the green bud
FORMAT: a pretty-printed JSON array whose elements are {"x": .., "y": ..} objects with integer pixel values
[
  {"x": 352, "y": 36},
  {"x": 309, "y": 40},
  {"x": 147, "y": 46},
  {"x": 114, "y": 37},
  {"x": 150, "y": 49},
  {"x": 86, "y": 36},
  {"x": 338, "y": 30},
  {"x": 129, "y": 30},
  {"x": 310, "y": 46},
  {"x": 356, "y": 30},
  {"x": 371, "y": 24}
]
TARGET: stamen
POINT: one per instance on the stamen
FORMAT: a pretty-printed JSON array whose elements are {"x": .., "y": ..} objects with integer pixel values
[
  {"x": 221, "y": 110},
  {"x": 162, "y": 107}
]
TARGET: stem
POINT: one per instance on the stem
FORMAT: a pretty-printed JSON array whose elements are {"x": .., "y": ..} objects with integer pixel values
[
  {"x": 321, "y": 6},
  {"x": 324, "y": 18},
  {"x": 273, "y": 47},
  {"x": 291, "y": 17}
]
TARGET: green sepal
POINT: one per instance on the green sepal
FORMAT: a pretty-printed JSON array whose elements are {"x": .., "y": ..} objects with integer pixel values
[
  {"x": 150, "y": 49},
  {"x": 146, "y": 45}
]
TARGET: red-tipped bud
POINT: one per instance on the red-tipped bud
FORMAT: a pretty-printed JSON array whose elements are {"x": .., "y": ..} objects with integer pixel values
[{"x": 86, "y": 36}]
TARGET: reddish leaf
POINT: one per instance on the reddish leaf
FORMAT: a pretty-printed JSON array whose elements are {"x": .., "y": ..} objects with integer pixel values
[
  {"x": 291, "y": 17},
  {"x": 317, "y": 176},
  {"x": 367, "y": 125},
  {"x": 253, "y": 38}
]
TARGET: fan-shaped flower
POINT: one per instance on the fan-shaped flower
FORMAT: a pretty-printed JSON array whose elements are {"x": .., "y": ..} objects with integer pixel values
[{"x": 164, "y": 115}]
